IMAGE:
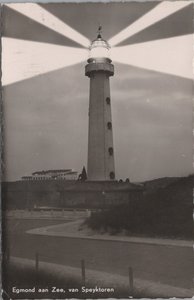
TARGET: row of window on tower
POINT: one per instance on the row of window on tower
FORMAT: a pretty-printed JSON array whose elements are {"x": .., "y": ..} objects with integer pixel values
[
  {"x": 110, "y": 149},
  {"x": 109, "y": 125},
  {"x": 112, "y": 175},
  {"x": 108, "y": 100}
]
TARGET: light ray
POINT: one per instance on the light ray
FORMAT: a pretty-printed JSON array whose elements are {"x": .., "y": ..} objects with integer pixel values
[
  {"x": 25, "y": 59},
  {"x": 42, "y": 16},
  {"x": 173, "y": 55},
  {"x": 158, "y": 13}
]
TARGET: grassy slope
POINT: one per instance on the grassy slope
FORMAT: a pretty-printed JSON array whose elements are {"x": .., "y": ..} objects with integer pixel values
[{"x": 166, "y": 210}]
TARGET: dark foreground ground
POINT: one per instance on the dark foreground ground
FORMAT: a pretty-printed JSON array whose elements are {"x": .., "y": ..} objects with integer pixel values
[{"x": 171, "y": 265}]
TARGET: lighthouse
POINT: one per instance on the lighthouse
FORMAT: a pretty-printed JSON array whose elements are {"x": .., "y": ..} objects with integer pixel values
[{"x": 100, "y": 165}]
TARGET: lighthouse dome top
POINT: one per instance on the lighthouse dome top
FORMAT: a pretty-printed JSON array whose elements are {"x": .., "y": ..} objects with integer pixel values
[
  {"x": 99, "y": 49},
  {"x": 99, "y": 42}
]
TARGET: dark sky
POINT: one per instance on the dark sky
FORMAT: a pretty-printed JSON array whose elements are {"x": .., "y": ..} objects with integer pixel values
[{"x": 46, "y": 117}]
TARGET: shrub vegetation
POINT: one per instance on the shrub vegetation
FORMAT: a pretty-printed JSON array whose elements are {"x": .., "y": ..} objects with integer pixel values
[{"x": 162, "y": 212}]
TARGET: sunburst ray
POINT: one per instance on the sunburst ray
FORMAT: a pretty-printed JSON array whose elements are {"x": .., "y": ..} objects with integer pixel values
[
  {"x": 42, "y": 16},
  {"x": 25, "y": 59},
  {"x": 158, "y": 13},
  {"x": 172, "y": 55}
]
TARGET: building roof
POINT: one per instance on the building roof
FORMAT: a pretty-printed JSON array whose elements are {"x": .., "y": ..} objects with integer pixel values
[{"x": 43, "y": 172}]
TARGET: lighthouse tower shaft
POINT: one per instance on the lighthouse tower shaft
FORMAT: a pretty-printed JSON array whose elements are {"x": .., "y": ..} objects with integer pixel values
[{"x": 100, "y": 136}]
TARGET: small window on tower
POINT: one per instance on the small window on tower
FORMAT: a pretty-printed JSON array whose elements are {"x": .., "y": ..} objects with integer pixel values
[
  {"x": 110, "y": 150},
  {"x": 109, "y": 125},
  {"x": 108, "y": 100},
  {"x": 112, "y": 175}
]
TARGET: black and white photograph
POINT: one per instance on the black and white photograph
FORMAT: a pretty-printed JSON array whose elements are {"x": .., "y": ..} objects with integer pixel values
[{"x": 97, "y": 150}]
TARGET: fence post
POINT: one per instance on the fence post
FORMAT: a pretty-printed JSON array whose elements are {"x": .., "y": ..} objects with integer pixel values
[
  {"x": 36, "y": 266},
  {"x": 131, "y": 281},
  {"x": 83, "y": 272}
]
